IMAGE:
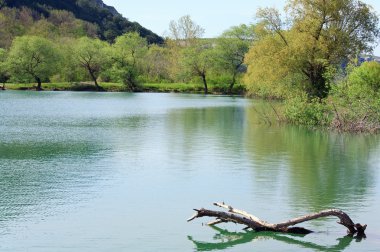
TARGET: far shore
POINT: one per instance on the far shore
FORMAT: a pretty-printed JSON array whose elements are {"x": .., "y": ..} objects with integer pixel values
[{"x": 118, "y": 87}]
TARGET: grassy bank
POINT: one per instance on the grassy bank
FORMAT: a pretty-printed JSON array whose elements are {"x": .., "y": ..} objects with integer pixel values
[{"x": 118, "y": 87}]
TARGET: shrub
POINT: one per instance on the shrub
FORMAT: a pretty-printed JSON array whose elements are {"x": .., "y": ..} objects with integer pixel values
[
  {"x": 302, "y": 110},
  {"x": 357, "y": 99}
]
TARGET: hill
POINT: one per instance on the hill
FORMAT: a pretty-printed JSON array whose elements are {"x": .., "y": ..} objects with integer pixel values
[{"x": 109, "y": 22}]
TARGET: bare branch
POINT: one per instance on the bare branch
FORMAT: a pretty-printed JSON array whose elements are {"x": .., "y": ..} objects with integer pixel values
[{"x": 250, "y": 221}]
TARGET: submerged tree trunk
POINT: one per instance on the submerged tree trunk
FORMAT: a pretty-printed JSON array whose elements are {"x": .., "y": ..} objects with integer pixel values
[{"x": 241, "y": 217}]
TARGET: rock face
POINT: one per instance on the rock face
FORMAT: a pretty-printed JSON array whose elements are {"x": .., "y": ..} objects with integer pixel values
[{"x": 111, "y": 23}]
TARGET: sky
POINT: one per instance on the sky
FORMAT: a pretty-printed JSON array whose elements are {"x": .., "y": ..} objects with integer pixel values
[{"x": 214, "y": 16}]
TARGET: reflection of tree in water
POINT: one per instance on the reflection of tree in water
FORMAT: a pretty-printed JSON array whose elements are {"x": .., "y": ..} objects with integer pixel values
[
  {"x": 219, "y": 126},
  {"x": 321, "y": 168},
  {"x": 225, "y": 240}
]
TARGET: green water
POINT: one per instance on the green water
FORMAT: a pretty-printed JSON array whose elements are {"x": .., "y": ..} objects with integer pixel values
[{"x": 122, "y": 172}]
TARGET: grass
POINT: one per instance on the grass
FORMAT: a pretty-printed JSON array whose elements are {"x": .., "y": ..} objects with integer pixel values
[{"x": 119, "y": 87}]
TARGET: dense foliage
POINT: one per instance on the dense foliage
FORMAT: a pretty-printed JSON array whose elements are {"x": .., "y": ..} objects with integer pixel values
[
  {"x": 33, "y": 58},
  {"x": 303, "y": 61},
  {"x": 317, "y": 36},
  {"x": 357, "y": 99}
]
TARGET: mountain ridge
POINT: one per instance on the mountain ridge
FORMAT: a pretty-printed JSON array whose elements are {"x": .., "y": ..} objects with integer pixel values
[{"x": 110, "y": 22}]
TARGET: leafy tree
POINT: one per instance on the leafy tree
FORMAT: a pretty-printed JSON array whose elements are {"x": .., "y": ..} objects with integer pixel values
[
  {"x": 182, "y": 34},
  {"x": 70, "y": 70},
  {"x": 156, "y": 63},
  {"x": 319, "y": 34},
  {"x": 33, "y": 56},
  {"x": 128, "y": 51},
  {"x": 92, "y": 56},
  {"x": 197, "y": 60},
  {"x": 231, "y": 48}
]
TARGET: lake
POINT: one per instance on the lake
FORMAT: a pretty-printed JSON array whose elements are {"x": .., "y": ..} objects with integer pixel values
[{"x": 122, "y": 172}]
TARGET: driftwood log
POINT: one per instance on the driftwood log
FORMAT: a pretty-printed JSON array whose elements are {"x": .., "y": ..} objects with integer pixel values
[{"x": 252, "y": 222}]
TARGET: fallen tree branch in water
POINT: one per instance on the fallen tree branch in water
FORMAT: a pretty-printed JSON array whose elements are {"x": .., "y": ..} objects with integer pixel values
[{"x": 250, "y": 221}]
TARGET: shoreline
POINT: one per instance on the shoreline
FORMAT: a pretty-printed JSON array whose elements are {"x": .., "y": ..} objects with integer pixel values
[{"x": 185, "y": 88}]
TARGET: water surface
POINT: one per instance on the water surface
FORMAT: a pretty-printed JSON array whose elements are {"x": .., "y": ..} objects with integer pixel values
[{"x": 122, "y": 172}]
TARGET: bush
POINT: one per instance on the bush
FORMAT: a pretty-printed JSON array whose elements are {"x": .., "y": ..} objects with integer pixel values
[
  {"x": 302, "y": 110},
  {"x": 357, "y": 99}
]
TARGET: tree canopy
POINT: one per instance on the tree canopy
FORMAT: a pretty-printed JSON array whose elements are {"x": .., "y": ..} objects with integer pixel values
[
  {"x": 92, "y": 56},
  {"x": 231, "y": 48},
  {"x": 128, "y": 51},
  {"x": 320, "y": 35},
  {"x": 33, "y": 57}
]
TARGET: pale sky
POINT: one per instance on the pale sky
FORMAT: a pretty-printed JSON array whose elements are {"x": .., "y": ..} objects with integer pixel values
[{"x": 214, "y": 16}]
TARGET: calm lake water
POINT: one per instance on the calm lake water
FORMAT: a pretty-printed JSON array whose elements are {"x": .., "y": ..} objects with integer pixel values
[{"x": 122, "y": 172}]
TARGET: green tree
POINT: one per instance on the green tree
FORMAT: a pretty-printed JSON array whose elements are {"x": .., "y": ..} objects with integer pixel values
[
  {"x": 197, "y": 60},
  {"x": 320, "y": 34},
  {"x": 183, "y": 42},
  {"x": 128, "y": 52},
  {"x": 156, "y": 63},
  {"x": 33, "y": 56},
  {"x": 231, "y": 48},
  {"x": 70, "y": 70},
  {"x": 92, "y": 55}
]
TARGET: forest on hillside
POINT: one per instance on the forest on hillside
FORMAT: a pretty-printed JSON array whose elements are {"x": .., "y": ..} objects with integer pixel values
[{"x": 109, "y": 23}]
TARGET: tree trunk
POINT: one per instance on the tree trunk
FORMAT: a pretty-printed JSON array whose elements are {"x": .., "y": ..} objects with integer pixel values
[
  {"x": 203, "y": 75},
  {"x": 319, "y": 87},
  {"x": 241, "y": 217},
  {"x": 232, "y": 83},
  {"x": 92, "y": 74},
  {"x": 39, "y": 83}
]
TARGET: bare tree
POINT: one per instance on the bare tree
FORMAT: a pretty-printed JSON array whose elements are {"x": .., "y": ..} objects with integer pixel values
[{"x": 185, "y": 29}]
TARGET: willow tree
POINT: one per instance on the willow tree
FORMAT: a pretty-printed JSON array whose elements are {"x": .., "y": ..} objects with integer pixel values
[
  {"x": 183, "y": 33},
  {"x": 128, "y": 52},
  {"x": 33, "y": 57},
  {"x": 320, "y": 35},
  {"x": 231, "y": 48},
  {"x": 197, "y": 60},
  {"x": 92, "y": 56}
]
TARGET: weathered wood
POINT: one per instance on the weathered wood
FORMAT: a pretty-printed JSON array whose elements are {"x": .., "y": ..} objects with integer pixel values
[{"x": 250, "y": 221}]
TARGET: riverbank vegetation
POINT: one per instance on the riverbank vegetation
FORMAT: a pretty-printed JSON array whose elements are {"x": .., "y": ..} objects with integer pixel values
[{"x": 309, "y": 60}]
